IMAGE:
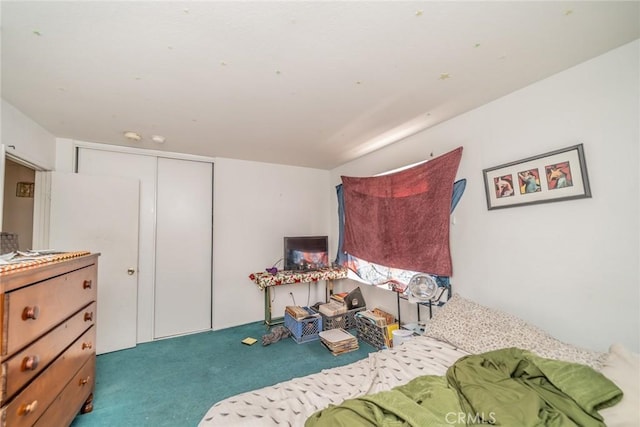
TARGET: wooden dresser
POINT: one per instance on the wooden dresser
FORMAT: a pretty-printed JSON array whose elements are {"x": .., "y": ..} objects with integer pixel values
[{"x": 47, "y": 348}]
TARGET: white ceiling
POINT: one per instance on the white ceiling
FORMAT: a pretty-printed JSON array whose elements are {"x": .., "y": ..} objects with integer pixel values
[{"x": 304, "y": 83}]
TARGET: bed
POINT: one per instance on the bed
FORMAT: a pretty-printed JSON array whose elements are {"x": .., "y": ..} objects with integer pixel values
[{"x": 459, "y": 329}]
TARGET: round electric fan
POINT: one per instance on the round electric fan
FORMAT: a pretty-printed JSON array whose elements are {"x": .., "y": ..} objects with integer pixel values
[{"x": 422, "y": 287}]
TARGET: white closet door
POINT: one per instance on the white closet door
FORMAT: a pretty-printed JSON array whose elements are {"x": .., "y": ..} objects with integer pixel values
[
  {"x": 142, "y": 168},
  {"x": 100, "y": 214},
  {"x": 183, "y": 247}
]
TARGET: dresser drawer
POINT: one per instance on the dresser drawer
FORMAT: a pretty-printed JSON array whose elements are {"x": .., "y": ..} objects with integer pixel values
[
  {"x": 25, "y": 365},
  {"x": 31, "y": 311},
  {"x": 25, "y": 409},
  {"x": 68, "y": 403}
]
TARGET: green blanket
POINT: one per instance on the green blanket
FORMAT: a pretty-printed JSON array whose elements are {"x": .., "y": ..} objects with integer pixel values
[{"x": 508, "y": 387}]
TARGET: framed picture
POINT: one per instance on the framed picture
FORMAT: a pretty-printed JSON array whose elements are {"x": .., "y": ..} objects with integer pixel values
[
  {"x": 550, "y": 177},
  {"x": 24, "y": 189}
]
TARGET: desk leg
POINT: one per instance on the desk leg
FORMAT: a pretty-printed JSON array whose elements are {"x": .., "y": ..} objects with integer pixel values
[
  {"x": 328, "y": 289},
  {"x": 268, "y": 320},
  {"x": 267, "y": 306}
]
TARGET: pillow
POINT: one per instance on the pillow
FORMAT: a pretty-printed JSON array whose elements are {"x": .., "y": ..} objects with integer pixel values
[
  {"x": 478, "y": 329},
  {"x": 623, "y": 368}
]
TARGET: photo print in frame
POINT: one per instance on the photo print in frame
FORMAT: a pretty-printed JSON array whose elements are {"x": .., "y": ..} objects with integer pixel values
[{"x": 549, "y": 177}]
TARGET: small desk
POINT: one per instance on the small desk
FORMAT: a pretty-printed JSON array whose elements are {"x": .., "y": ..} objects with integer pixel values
[{"x": 266, "y": 281}]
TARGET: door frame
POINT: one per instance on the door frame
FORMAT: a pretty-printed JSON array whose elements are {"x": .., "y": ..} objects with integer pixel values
[
  {"x": 2, "y": 157},
  {"x": 40, "y": 208}
]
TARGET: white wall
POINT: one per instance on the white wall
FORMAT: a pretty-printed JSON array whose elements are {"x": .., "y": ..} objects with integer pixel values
[
  {"x": 26, "y": 139},
  {"x": 583, "y": 282},
  {"x": 255, "y": 205},
  {"x": 569, "y": 267}
]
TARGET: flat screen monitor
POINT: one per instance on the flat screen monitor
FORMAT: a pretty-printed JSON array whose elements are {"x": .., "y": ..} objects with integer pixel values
[{"x": 306, "y": 253}]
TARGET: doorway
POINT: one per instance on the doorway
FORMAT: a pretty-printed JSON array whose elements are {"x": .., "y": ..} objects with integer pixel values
[{"x": 18, "y": 203}]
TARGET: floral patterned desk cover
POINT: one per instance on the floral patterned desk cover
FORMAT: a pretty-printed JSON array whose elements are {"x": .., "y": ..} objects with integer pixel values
[{"x": 286, "y": 277}]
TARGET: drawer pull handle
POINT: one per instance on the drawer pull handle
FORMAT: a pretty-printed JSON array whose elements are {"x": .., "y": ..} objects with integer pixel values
[
  {"x": 86, "y": 345},
  {"x": 88, "y": 316},
  {"x": 84, "y": 381},
  {"x": 86, "y": 284},
  {"x": 29, "y": 363},
  {"x": 30, "y": 313},
  {"x": 27, "y": 408}
]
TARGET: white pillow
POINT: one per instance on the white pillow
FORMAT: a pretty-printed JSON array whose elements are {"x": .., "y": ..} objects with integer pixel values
[
  {"x": 478, "y": 329},
  {"x": 623, "y": 368}
]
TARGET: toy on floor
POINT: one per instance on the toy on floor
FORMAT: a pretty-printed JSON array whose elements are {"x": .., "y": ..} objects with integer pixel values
[{"x": 275, "y": 335}]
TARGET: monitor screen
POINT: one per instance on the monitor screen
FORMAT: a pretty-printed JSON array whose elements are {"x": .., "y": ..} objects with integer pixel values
[{"x": 306, "y": 253}]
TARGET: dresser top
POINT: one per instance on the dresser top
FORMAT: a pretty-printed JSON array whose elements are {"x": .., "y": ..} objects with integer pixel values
[{"x": 13, "y": 276}]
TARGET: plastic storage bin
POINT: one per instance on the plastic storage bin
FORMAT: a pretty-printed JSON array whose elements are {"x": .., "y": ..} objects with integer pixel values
[
  {"x": 304, "y": 330},
  {"x": 345, "y": 321},
  {"x": 371, "y": 333},
  {"x": 8, "y": 242}
]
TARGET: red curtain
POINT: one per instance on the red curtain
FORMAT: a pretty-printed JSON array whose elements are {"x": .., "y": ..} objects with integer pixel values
[{"x": 401, "y": 220}]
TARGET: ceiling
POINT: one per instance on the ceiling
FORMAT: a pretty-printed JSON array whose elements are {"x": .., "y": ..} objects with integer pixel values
[{"x": 314, "y": 83}]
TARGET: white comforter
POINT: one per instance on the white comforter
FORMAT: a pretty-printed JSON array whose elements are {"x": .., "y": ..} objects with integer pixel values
[{"x": 291, "y": 402}]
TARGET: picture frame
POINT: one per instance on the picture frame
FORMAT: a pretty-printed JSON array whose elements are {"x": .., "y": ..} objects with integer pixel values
[
  {"x": 24, "y": 189},
  {"x": 550, "y": 177}
]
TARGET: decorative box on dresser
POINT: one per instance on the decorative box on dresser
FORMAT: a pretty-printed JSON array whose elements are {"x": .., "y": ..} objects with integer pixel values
[{"x": 47, "y": 350}]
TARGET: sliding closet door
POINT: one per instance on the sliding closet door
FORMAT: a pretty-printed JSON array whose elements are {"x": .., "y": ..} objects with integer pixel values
[
  {"x": 183, "y": 247},
  {"x": 143, "y": 169}
]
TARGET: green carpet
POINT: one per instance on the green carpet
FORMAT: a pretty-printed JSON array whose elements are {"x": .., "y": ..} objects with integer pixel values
[{"x": 174, "y": 382}]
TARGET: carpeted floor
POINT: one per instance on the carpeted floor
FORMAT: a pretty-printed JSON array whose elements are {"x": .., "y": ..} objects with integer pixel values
[{"x": 174, "y": 382}]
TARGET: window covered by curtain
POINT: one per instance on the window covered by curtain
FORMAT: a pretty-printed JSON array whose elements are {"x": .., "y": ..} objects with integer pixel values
[{"x": 395, "y": 225}]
